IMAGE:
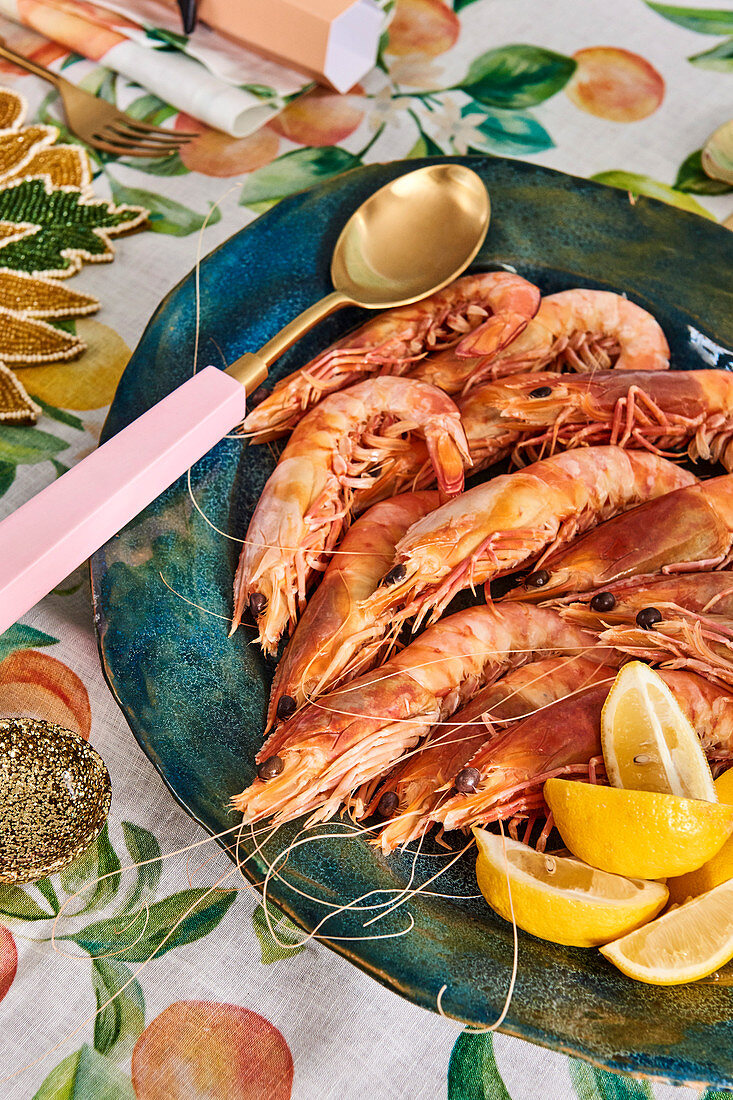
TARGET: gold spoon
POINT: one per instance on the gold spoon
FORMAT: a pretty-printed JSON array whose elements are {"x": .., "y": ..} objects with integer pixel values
[{"x": 409, "y": 239}]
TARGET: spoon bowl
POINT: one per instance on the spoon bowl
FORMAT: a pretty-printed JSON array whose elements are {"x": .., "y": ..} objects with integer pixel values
[
  {"x": 55, "y": 794},
  {"x": 411, "y": 237}
]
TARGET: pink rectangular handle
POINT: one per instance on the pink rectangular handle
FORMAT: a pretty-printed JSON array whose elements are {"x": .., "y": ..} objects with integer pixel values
[{"x": 60, "y": 527}]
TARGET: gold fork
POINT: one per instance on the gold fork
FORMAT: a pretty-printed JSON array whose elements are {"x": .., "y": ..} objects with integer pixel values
[{"x": 98, "y": 123}]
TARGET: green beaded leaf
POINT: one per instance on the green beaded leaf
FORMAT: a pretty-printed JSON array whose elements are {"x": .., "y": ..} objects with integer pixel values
[{"x": 68, "y": 228}]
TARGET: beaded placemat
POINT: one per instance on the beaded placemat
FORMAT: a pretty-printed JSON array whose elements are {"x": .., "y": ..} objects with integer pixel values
[{"x": 50, "y": 225}]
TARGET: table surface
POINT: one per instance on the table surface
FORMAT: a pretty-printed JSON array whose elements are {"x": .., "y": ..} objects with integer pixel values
[{"x": 641, "y": 102}]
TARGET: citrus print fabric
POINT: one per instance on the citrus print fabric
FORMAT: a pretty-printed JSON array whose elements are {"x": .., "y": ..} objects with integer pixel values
[
  {"x": 228, "y": 87},
  {"x": 148, "y": 969}
]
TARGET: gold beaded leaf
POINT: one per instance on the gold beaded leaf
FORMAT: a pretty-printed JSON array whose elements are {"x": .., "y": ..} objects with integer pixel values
[{"x": 50, "y": 225}]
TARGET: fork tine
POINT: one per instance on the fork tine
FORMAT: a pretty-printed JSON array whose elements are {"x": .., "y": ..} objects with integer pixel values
[
  {"x": 109, "y": 143},
  {"x": 147, "y": 128},
  {"x": 119, "y": 129}
]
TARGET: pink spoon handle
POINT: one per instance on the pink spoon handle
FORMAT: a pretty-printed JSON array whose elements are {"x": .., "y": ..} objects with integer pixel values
[{"x": 60, "y": 527}]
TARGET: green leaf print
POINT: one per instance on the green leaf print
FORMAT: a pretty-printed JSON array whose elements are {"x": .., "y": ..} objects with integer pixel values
[
  {"x": 592, "y": 1083},
  {"x": 286, "y": 931},
  {"x": 294, "y": 172},
  {"x": 145, "y": 853},
  {"x": 720, "y": 58},
  {"x": 517, "y": 76},
  {"x": 472, "y": 1071},
  {"x": 166, "y": 216},
  {"x": 26, "y": 447},
  {"x": 61, "y": 415},
  {"x": 23, "y": 637},
  {"x": 45, "y": 887},
  {"x": 652, "y": 189},
  {"x": 118, "y": 1023},
  {"x": 151, "y": 932},
  {"x": 703, "y": 20},
  {"x": 7, "y": 475},
  {"x": 512, "y": 132},
  {"x": 14, "y": 902},
  {"x": 458, "y": 5},
  {"x": 92, "y": 867},
  {"x": 692, "y": 178},
  {"x": 86, "y": 1075}
]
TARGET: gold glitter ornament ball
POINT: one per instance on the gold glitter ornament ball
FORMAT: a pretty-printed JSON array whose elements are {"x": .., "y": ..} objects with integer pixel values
[{"x": 55, "y": 795}]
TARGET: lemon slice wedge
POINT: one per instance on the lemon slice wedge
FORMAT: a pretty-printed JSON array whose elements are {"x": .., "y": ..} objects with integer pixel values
[
  {"x": 716, "y": 870},
  {"x": 558, "y": 898},
  {"x": 641, "y": 834},
  {"x": 648, "y": 742},
  {"x": 685, "y": 944}
]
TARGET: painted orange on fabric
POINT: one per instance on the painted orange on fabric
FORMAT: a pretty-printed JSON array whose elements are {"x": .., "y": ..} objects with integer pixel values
[
  {"x": 35, "y": 685},
  {"x": 216, "y": 154},
  {"x": 203, "y": 1049},
  {"x": 423, "y": 26},
  {"x": 318, "y": 118},
  {"x": 615, "y": 84},
  {"x": 92, "y": 36},
  {"x": 8, "y": 960}
]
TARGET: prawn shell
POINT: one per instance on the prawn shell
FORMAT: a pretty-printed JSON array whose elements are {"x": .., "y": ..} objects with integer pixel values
[
  {"x": 333, "y": 632},
  {"x": 566, "y": 735},
  {"x": 495, "y": 528},
  {"x": 689, "y": 528},
  {"x": 420, "y": 779}
]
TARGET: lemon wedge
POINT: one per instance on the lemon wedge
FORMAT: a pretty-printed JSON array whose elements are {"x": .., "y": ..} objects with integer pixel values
[
  {"x": 685, "y": 944},
  {"x": 716, "y": 870},
  {"x": 640, "y": 834},
  {"x": 558, "y": 898},
  {"x": 648, "y": 742}
]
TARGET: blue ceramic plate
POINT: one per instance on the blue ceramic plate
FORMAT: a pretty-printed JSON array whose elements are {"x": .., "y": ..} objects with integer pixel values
[{"x": 196, "y": 699}]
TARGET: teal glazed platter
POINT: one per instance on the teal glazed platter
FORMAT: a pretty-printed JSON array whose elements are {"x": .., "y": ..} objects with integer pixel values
[{"x": 195, "y": 698}]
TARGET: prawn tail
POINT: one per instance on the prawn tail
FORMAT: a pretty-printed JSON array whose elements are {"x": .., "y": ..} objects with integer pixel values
[{"x": 491, "y": 337}]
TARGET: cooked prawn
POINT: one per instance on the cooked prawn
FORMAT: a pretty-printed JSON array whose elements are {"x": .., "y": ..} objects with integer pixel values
[
  {"x": 333, "y": 631},
  {"x": 687, "y": 530},
  {"x": 321, "y": 755},
  {"x": 306, "y": 503},
  {"x": 681, "y": 621},
  {"x": 391, "y": 342},
  {"x": 564, "y": 740},
  {"x": 537, "y": 414},
  {"x": 578, "y": 329},
  {"x": 416, "y": 781},
  {"x": 499, "y": 527}
]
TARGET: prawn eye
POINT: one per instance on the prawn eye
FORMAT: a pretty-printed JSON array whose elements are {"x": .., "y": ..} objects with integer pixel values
[
  {"x": 396, "y": 573},
  {"x": 538, "y": 579},
  {"x": 541, "y": 391},
  {"x": 603, "y": 601},
  {"x": 467, "y": 780},
  {"x": 648, "y": 617},
  {"x": 270, "y": 768},
  {"x": 257, "y": 603},
  {"x": 286, "y": 706},
  {"x": 387, "y": 804}
]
